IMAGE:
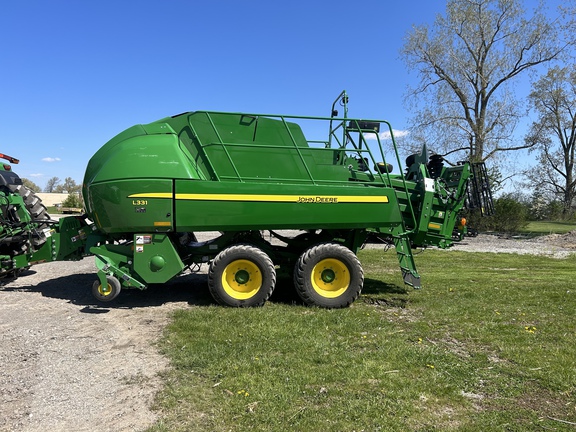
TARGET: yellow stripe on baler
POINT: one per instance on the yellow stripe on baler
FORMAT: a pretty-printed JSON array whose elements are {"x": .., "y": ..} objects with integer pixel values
[{"x": 324, "y": 199}]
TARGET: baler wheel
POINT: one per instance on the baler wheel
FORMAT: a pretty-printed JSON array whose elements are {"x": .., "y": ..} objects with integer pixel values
[
  {"x": 328, "y": 275},
  {"x": 241, "y": 276},
  {"x": 111, "y": 291}
]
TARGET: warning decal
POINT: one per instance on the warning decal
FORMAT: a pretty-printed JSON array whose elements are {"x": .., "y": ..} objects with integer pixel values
[{"x": 143, "y": 239}]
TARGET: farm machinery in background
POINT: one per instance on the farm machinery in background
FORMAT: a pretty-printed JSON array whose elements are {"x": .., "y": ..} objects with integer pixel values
[{"x": 248, "y": 178}]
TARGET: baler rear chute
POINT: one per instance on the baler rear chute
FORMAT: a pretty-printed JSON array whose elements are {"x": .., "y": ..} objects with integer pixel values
[{"x": 151, "y": 189}]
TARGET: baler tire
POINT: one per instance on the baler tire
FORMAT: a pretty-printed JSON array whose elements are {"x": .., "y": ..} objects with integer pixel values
[
  {"x": 328, "y": 275},
  {"x": 241, "y": 276},
  {"x": 106, "y": 296}
]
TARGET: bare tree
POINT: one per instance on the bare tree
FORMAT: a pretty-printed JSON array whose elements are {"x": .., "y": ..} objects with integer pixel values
[
  {"x": 51, "y": 184},
  {"x": 553, "y": 134},
  {"x": 467, "y": 62}
]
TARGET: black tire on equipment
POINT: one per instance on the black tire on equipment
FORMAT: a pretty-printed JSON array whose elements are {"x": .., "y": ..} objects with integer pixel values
[
  {"x": 37, "y": 210},
  {"x": 328, "y": 275},
  {"x": 114, "y": 288},
  {"x": 241, "y": 276}
]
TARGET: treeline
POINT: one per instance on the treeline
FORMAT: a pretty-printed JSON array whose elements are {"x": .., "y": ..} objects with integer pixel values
[
  {"x": 513, "y": 211},
  {"x": 55, "y": 185}
]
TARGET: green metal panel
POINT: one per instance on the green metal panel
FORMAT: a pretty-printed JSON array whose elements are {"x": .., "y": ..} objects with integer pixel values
[
  {"x": 158, "y": 156},
  {"x": 248, "y": 206},
  {"x": 241, "y": 146},
  {"x": 155, "y": 259},
  {"x": 134, "y": 154},
  {"x": 130, "y": 205},
  {"x": 65, "y": 242}
]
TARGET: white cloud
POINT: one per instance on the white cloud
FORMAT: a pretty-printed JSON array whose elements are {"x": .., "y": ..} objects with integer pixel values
[
  {"x": 50, "y": 159},
  {"x": 36, "y": 175},
  {"x": 386, "y": 134},
  {"x": 397, "y": 134}
]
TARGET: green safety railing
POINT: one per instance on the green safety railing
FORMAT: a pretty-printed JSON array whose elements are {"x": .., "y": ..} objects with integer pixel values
[{"x": 339, "y": 138}]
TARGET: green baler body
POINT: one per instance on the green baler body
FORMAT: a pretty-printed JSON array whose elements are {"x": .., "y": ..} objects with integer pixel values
[
  {"x": 220, "y": 171},
  {"x": 151, "y": 188},
  {"x": 243, "y": 173}
]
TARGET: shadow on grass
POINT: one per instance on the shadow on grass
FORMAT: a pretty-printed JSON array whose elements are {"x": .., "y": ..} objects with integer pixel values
[
  {"x": 285, "y": 293},
  {"x": 375, "y": 286},
  {"x": 384, "y": 294},
  {"x": 374, "y": 291}
]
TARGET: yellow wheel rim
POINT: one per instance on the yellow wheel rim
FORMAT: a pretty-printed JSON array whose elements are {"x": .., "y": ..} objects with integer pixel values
[
  {"x": 104, "y": 293},
  {"x": 241, "y": 279},
  {"x": 330, "y": 278}
]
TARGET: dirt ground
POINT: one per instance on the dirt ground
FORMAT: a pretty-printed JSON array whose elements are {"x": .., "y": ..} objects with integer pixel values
[{"x": 68, "y": 364}]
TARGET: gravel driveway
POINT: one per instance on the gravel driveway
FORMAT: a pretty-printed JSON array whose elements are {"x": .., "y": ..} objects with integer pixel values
[{"x": 68, "y": 364}]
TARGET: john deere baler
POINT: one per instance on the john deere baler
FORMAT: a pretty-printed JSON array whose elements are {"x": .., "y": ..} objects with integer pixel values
[
  {"x": 249, "y": 178},
  {"x": 154, "y": 187}
]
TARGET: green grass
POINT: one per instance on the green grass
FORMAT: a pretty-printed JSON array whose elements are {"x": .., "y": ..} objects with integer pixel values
[
  {"x": 537, "y": 228},
  {"x": 487, "y": 345}
]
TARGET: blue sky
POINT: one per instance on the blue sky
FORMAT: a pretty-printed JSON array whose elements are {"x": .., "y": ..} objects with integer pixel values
[{"x": 73, "y": 73}]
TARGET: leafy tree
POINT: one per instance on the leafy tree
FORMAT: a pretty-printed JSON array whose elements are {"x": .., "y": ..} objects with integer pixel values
[
  {"x": 553, "y": 135},
  {"x": 31, "y": 185},
  {"x": 511, "y": 214},
  {"x": 73, "y": 200},
  {"x": 51, "y": 184},
  {"x": 69, "y": 186},
  {"x": 554, "y": 211},
  {"x": 467, "y": 62}
]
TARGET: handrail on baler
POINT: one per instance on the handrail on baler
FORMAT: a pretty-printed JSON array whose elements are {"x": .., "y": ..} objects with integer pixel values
[
  {"x": 360, "y": 150},
  {"x": 385, "y": 180},
  {"x": 343, "y": 98},
  {"x": 225, "y": 150},
  {"x": 405, "y": 187},
  {"x": 298, "y": 149}
]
